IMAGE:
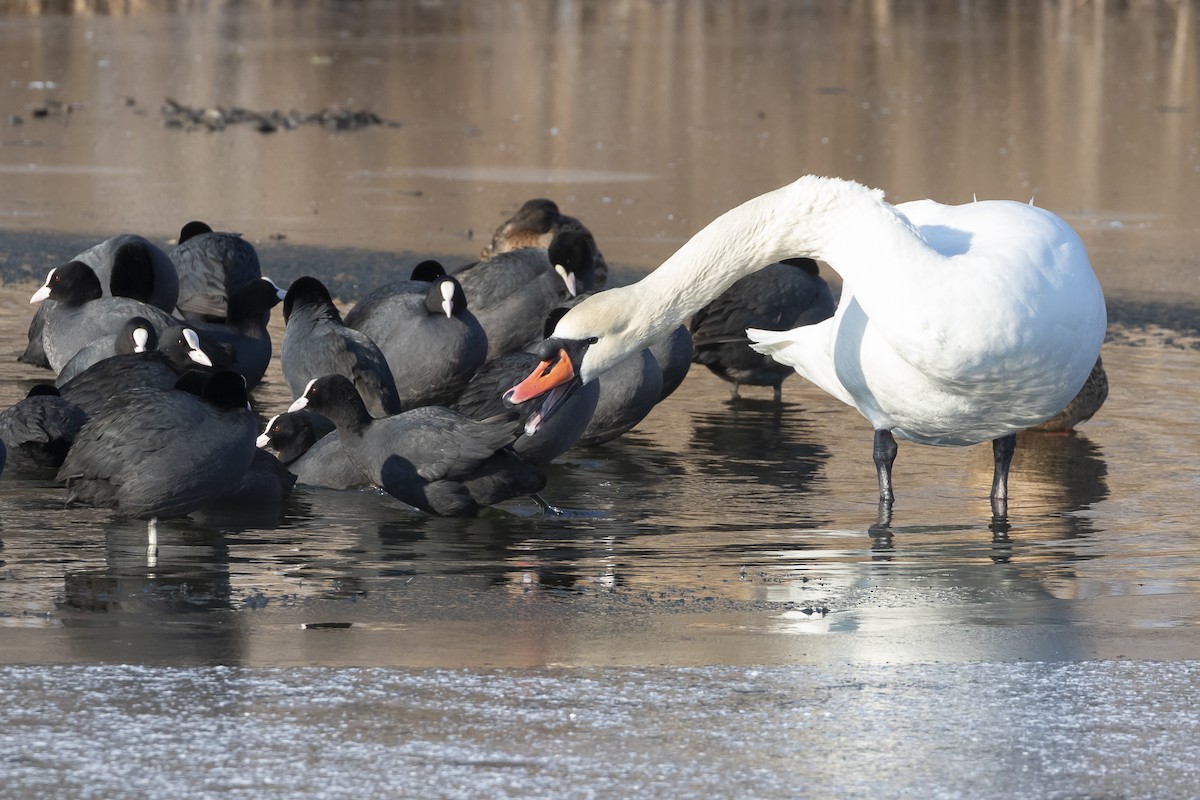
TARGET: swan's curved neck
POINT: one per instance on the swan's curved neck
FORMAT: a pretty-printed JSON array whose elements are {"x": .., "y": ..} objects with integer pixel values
[{"x": 815, "y": 217}]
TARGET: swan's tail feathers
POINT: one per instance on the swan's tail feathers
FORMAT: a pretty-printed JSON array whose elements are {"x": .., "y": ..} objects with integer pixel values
[
  {"x": 799, "y": 349},
  {"x": 768, "y": 342}
]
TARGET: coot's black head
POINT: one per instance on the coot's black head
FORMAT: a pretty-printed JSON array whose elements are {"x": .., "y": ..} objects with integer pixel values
[
  {"x": 255, "y": 301},
  {"x": 74, "y": 283},
  {"x": 137, "y": 335},
  {"x": 183, "y": 348},
  {"x": 571, "y": 253},
  {"x": 428, "y": 271},
  {"x": 308, "y": 292},
  {"x": 132, "y": 272},
  {"x": 446, "y": 297},
  {"x": 335, "y": 397},
  {"x": 193, "y": 228}
]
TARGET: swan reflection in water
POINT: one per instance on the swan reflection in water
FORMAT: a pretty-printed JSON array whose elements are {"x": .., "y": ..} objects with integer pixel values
[{"x": 1061, "y": 475}]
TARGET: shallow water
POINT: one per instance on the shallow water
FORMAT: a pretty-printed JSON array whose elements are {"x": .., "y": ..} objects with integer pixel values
[{"x": 718, "y": 535}]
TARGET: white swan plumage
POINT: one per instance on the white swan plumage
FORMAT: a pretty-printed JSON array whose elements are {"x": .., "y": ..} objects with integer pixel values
[{"x": 956, "y": 324}]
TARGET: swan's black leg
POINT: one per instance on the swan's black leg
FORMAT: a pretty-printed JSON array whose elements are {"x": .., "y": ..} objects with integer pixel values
[
  {"x": 885, "y": 455},
  {"x": 1002, "y": 453}
]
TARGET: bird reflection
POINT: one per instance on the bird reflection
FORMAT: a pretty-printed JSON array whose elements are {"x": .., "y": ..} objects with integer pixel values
[
  {"x": 1065, "y": 470},
  {"x": 191, "y": 574},
  {"x": 1057, "y": 475},
  {"x": 759, "y": 440}
]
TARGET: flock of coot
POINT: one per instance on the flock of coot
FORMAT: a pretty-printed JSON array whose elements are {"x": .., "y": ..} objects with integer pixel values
[{"x": 154, "y": 354}]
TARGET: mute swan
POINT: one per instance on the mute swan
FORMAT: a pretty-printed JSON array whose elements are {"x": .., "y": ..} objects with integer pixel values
[{"x": 956, "y": 325}]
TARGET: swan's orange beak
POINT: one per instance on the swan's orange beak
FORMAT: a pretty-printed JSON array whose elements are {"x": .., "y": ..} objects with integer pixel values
[{"x": 547, "y": 375}]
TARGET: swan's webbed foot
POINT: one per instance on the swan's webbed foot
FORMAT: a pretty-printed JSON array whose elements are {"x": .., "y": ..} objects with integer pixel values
[
  {"x": 1002, "y": 453},
  {"x": 885, "y": 455}
]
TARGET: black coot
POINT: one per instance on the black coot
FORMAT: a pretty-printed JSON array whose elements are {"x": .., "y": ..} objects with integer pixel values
[
  {"x": 152, "y": 453},
  {"x": 431, "y": 340},
  {"x": 83, "y": 315},
  {"x": 39, "y": 430},
  {"x": 213, "y": 266},
  {"x": 512, "y": 293},
  {"x": 316, "y": 343},
  {"x": 779, "y": 297},
  {"x": 432, "y": 458}
]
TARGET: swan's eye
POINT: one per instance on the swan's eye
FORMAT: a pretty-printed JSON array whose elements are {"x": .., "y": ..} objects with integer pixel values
[{"x": 593, "y": 339}]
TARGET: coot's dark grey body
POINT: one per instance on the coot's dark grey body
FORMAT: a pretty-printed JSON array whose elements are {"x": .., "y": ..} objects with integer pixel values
[
  {"x": 244, "y": 332},
  {"x": 779, "y": 297},
  {"x": 83, "y": 315},
  {"x": 213, "y": 266},
  {"x": 136, "y": 335},
  {"x": 310, "y": 449},
  {"x": 160, "y": 368},
  {"x": 153, "y": 453},
  {"x": 316, "y": 343},
  {"x": 39, "y": 429},
  {"x": 431, "y": 458},
  {"x": 431, "y": 340},
  {"x": 126, "y": 265}
]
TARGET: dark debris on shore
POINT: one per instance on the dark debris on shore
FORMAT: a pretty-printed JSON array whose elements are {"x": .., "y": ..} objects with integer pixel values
[{"x": 216, "y": 118}]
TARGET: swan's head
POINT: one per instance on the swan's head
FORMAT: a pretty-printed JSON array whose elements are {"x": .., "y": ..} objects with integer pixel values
[{"x": 592, "y": 337}]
